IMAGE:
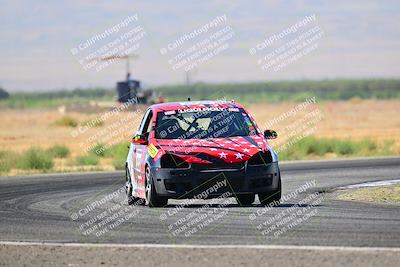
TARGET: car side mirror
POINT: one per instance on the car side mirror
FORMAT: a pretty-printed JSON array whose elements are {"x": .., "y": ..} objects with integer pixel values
[
  {"x": 140, "y": 139},
  {"x": 270, "y": 134}
]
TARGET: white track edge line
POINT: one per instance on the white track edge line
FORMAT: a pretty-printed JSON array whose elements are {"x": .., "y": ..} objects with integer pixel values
[{"x": 183, "y": 246}]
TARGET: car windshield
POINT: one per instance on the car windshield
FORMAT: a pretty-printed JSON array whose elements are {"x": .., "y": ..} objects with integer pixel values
[{"x": 204, "y": 123}]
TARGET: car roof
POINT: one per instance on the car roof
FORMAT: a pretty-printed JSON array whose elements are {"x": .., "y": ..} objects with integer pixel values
[{"x": 194, "y": 104}]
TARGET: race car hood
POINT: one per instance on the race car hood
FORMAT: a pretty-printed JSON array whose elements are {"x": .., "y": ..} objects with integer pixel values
[{"x": 229, "y": 150}]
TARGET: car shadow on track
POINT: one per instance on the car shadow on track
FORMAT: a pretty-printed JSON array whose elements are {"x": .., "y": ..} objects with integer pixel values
[{"x": 282, "y": 205}]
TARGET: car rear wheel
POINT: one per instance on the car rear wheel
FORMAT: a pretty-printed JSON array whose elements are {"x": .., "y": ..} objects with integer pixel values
[
  {"x": 152, "y": 198},
  {"x": 246, "y": 199},
  {"x": 271, "y": 197}
]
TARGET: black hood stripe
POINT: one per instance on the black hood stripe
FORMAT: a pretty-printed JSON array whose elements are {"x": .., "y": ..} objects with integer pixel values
[
  {"x": 203, "y": 156},
  {"x": 251, "y": 141}
]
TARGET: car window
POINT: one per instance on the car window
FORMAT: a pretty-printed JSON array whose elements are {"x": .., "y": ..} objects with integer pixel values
[
  {"x": 207, "y": 123},
  {"x": 145, "y": 125}
]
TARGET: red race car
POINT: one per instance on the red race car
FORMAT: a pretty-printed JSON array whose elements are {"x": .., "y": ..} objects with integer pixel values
[{"x": 204, "y": 149}]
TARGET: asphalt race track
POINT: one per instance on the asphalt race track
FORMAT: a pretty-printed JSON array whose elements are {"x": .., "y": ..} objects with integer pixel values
[{"x": 39, "y": 209}]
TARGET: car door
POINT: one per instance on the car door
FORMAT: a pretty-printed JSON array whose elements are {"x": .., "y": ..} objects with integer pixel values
[{"x": 140, "y": 152}]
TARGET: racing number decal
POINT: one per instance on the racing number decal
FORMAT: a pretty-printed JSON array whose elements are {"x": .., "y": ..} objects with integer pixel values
[{"x": 152, "y": 150}]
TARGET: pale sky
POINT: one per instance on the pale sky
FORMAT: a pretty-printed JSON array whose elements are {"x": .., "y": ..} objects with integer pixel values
[{"x": 361, "y": 40}]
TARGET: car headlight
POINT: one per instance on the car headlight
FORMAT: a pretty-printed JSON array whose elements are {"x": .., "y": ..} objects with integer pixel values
[
  {"x": 262, "y": 157},
  {"x": 173, "y": 161}
]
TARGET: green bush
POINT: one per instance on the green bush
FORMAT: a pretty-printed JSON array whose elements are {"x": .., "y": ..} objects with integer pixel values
[
  {"x": 8, "y": 160},
  {"x": 387, "y": 148},
  {"x": 98, "y": 150},
  {"x": 311, "y": 147},
  {"x": 93, "y": 123},
  {"x": 58, "y": 151},
  {"x": 66, "y": 121},
  {"x": 5, "y": 163},
  {"x": 5, "y": 166},
  {"x": 89, "y": 159},
  {"x": 35, "y": 158},
  {"x": 345, "y": 147},
  {"x": 367, "y": 147},
  {"x": 118, "y": 153},
  {"x": 119, "y": 164}
]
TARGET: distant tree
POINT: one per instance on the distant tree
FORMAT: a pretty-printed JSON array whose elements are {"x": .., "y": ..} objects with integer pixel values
[{"x": 3, "y": 94}]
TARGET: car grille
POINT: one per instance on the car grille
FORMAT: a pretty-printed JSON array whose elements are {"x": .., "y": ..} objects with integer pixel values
[{"x": 218, "y": 166}]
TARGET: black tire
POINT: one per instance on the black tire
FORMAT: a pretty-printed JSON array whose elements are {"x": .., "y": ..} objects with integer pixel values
[
  {"x": 153, "y": 200},
  {"x": 246, "y": 199},
  {"x": 272, "y": 197}
]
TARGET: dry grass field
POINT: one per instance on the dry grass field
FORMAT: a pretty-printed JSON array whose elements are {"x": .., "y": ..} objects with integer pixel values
[{"x": 377, "y": 120}]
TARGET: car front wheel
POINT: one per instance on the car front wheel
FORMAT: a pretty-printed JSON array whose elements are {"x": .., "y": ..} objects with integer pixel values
[
  {"x": 152, "y": 198},
  {"x": 271, "y": 197},
  {"x": 246, "y": 199},
  {"x": 129, "y": 188}
]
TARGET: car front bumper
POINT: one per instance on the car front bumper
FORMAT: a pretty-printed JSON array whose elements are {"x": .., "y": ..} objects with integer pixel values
[{"x": 208, "y": 183}]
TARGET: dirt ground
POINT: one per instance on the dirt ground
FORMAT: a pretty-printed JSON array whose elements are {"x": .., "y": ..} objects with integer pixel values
[
  {"x": 382, "y": 194},
  {"x": 378, "y": 120},
  {"x": 114, "y": 255}
]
